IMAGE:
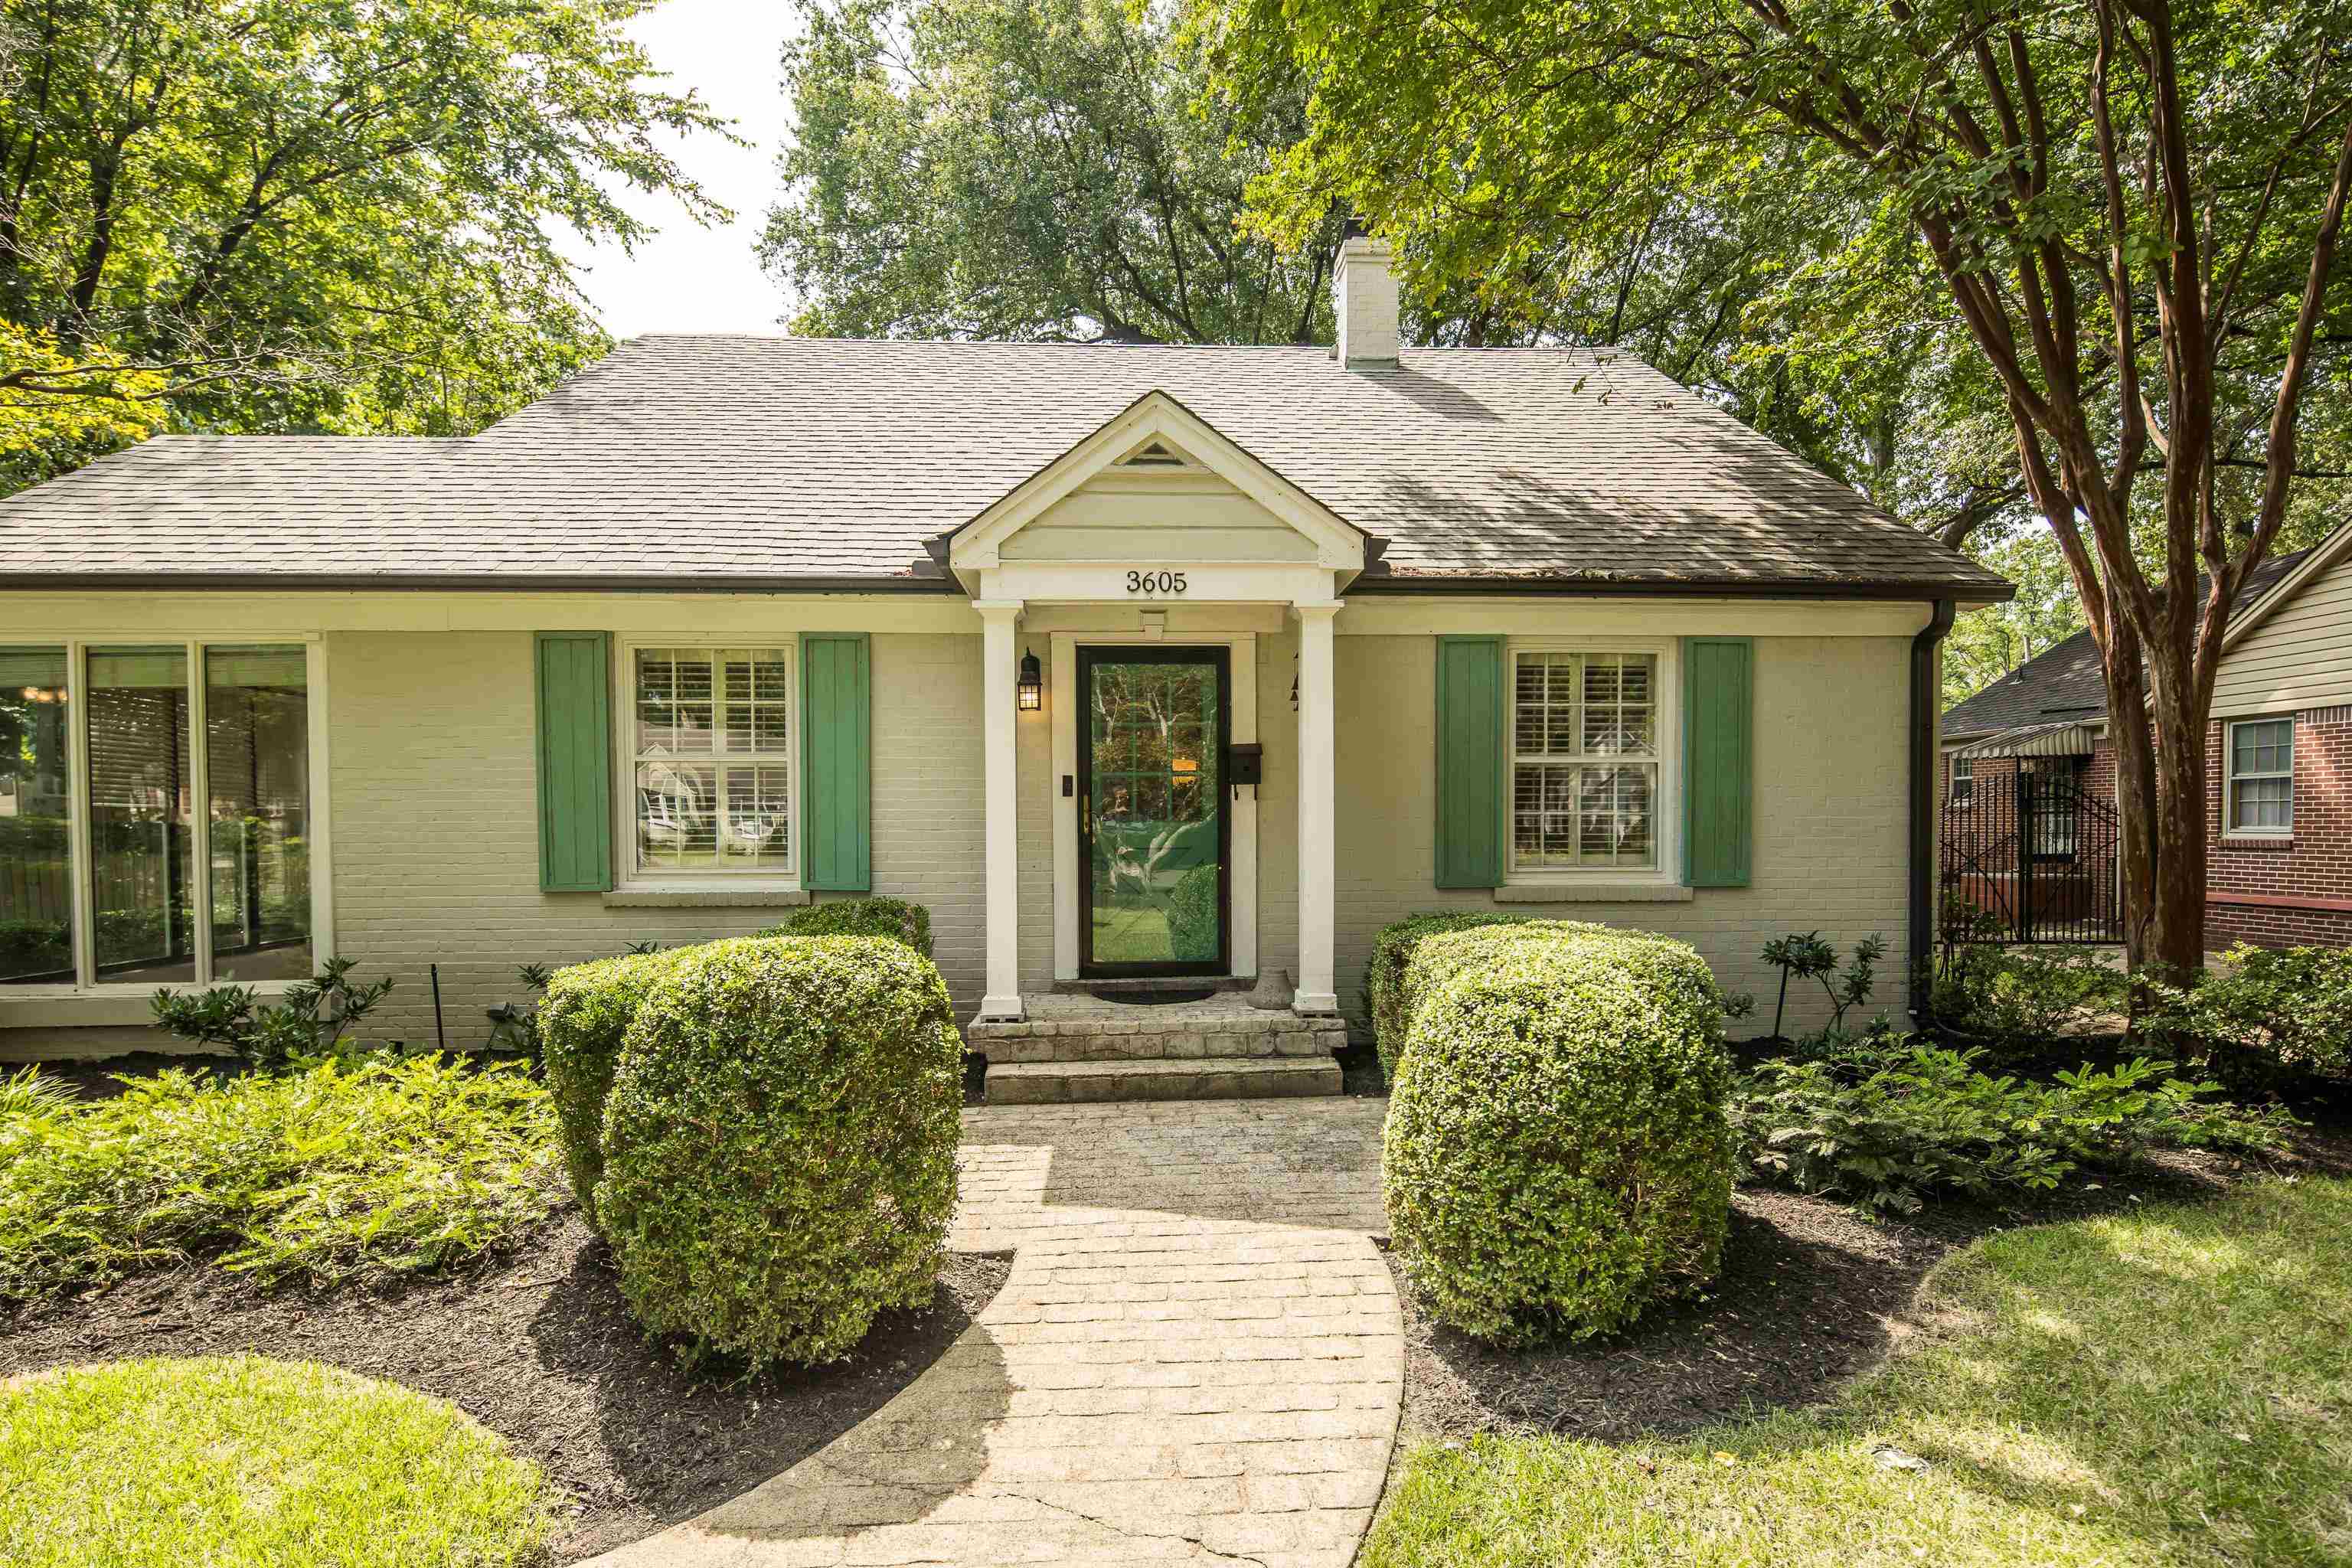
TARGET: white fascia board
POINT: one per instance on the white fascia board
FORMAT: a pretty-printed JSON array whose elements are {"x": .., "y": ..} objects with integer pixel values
[{"x": 1338, "y": 544}]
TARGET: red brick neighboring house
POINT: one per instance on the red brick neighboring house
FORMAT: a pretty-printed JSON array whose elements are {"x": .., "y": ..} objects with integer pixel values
[{"x": 2278, "y": 751}]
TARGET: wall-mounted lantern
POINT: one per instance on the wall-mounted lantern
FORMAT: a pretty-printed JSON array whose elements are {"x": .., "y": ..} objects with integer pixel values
[{"x": 1029, "y": 692}]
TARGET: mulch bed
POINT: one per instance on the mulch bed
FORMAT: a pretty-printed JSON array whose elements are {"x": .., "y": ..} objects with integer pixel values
[
  {"x": 1811, "y": 1294},
  {"x": 539, "y": 1349}
]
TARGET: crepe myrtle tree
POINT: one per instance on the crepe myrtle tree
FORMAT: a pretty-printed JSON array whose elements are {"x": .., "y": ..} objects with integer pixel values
[{"x": 2115, "y": 222}]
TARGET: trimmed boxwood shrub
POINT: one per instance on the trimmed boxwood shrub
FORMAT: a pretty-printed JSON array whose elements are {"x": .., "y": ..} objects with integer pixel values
[
  {"x": 895, "y": 918},
  {"x": 1556, "y": 1154},
  {"x": 1403, "y": 964},
  {"x": 581, "y": 1023},
  {"x": 780, "y": 1145}
]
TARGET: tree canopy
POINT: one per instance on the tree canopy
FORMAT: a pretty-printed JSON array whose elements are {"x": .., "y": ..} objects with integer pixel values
[
  {"x": 1031, "y": 170},
  {"x": 2099, "y": 235},
  {"x": 306, "y": 214}
]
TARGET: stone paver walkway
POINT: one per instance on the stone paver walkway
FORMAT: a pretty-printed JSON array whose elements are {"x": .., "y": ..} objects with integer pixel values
[{"x": 1197, "y": 1358}]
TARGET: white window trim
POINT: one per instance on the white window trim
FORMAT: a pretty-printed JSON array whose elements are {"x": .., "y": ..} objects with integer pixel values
[
  {"x": 2231, "y": 777},
  {"x": 627, "y": 878},
  {"x": 1962, "y": 802},
  {"x": 84, "y": 943},
  {"x": 1667, "y": 827}
]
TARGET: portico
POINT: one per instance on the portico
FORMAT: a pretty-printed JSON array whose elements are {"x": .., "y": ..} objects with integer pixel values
[{"x": 1158, "y": 535}]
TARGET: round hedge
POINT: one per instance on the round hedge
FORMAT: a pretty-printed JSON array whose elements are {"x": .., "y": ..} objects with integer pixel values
[
  {"x": 780, "y": 1145},
  {"x": 1557, "y": 1153},
  {"x": 1413, "y": 956},
  {"x": 896, "y": 917},
  {"x": 581, "y": 1023}
]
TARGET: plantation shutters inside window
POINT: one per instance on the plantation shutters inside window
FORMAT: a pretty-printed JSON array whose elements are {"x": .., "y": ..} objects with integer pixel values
[
  {"x": 837, "y": 751},
  {"x": 1469, "y": 762},
  {"x": 1718, "y": 760},
  {"x": 575, "y": 761}
]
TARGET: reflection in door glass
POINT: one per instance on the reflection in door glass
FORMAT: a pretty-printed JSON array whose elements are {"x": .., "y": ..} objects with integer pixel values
[{"x": 1156, "y": 814}]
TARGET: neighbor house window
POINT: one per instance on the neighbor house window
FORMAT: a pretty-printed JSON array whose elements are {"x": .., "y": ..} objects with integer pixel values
[
  {"x": 713, "y": 759},
  {"x": 1964, "y": 781},
  {"x": 1584, "y": 761},
  {"x": 2262, "y": 776},
  {"x": 178, "y": 850}
]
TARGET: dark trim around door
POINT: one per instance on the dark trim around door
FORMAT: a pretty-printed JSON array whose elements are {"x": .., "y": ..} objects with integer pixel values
[{"x": 1221, "y": 657}]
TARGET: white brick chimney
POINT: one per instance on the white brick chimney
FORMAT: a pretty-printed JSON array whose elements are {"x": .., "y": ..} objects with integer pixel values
[{"x": 1364, "y": 299}]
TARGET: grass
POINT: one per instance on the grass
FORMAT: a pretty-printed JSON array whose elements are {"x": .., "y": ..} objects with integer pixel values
[
  {"x": 2168, "y": 1386},
  {"x": 329, "y": 1174},
  {"x": 247, "y": 1463}
]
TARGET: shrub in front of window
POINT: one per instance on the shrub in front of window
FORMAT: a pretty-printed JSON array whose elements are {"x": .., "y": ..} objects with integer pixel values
[
  {"x": 582, "y": 1022},
  {"x": 1405, "y": 964},
  {"x": 1192, "y": 917},
  {"x": 312, "y": 1023},
  {"x": 1557, "y": 1155},
  {"x": 780, "y": 1145},
  {"x": 895, "y": 918}
]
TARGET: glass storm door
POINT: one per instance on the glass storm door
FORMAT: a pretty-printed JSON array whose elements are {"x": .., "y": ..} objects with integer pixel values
[{"x": 1153, "y": 825}]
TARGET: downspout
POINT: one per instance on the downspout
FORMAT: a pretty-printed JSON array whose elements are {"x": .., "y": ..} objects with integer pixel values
[{"x": 1926, "y": 703}]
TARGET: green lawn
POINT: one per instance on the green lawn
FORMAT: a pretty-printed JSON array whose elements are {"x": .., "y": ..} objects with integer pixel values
[
  {"x": 246, "y": 1463},
  {"x": 2166, "y": 1386}
]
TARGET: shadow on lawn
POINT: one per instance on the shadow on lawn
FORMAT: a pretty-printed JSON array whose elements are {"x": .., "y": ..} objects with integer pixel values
[{"x": 1811, "y": 1294}]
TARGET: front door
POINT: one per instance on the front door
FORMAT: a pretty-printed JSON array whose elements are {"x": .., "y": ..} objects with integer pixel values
[{"x": 1154, "y": 831}]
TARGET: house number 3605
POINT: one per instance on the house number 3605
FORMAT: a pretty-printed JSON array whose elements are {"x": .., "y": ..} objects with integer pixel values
[{"x": 1150, "y": 582}]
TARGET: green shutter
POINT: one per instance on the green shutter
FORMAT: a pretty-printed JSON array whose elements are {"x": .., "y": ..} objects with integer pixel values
[
  {"x": 1469, "y": 762},
  {"x": 837, "y": 762},
  {"x": 575, "y": 762},
  {"x": 1718, "y": 760}
]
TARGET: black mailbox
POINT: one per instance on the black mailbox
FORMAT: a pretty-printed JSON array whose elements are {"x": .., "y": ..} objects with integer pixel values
[{"x": 1244, "y": 764}]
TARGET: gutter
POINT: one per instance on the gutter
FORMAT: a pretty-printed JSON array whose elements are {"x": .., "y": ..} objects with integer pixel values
[
  {"x": 470, "y": 582},
  {"x": 1389, "y": 584},
  {"x": 1926, "y": 706}
]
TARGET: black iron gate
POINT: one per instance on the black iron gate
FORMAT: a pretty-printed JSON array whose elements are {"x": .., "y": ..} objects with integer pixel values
[{"x": 2032, "y": 863}]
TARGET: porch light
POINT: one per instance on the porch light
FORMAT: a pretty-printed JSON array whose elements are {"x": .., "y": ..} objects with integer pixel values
[{"x": 1029, "y": 692}]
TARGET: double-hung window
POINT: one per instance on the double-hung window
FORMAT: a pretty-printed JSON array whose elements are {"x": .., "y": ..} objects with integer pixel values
[
  {"x": 1586, "y": 761},
  {"x": 1964, "y": 781},
  {"x": 2262, "y": 777},
  {"x": 711, "y": 755},
  {"x": 156, "y": 818}
]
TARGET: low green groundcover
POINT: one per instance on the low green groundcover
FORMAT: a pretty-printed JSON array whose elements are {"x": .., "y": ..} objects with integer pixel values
[
  {"x": 241, "y": 1462},
  {"x": 2162, "y": 1388},
  {"x": 332, "y": 1174}
]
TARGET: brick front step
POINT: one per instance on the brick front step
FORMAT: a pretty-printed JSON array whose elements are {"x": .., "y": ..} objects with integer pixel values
[
  {"x": 1162, "y": 1077},
  {"x": 1097, "y": 1033}
]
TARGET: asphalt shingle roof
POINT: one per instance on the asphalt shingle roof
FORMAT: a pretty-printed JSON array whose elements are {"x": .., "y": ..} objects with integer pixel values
[
  {"x": 2065, "y": 681},
  {"x": 744, "y": 461}
]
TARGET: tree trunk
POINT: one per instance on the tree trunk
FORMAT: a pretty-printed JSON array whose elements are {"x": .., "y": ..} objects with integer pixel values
[{"x": 2176, "y": 937}]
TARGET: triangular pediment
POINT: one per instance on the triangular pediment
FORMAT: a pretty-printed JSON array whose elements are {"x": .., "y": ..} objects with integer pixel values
[{"x": 1158, "y": 483}]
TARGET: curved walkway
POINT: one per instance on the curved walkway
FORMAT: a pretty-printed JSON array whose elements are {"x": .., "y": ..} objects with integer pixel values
[{"x": 1197, "y": 1358}]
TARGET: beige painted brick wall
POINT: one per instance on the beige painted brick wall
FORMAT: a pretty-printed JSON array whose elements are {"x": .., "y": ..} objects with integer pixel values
[
  {"x": 1831, "y": 812},
  {"x": 435, "y": 838}
]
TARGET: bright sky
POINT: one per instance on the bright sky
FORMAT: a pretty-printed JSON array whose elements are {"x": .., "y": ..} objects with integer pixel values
[{"x": 688, "y": 277}]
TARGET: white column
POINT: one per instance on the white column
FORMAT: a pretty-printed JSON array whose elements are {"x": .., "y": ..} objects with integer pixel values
[
  {"x": 1317, "y": 777},
  {"x": 1003, "y": 1000}
]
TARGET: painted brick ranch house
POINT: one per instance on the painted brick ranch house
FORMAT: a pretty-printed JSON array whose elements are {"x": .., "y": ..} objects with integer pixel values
[
  {"x": 1128, "y": 662},
  {"x": 2278, "y": 753}
]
